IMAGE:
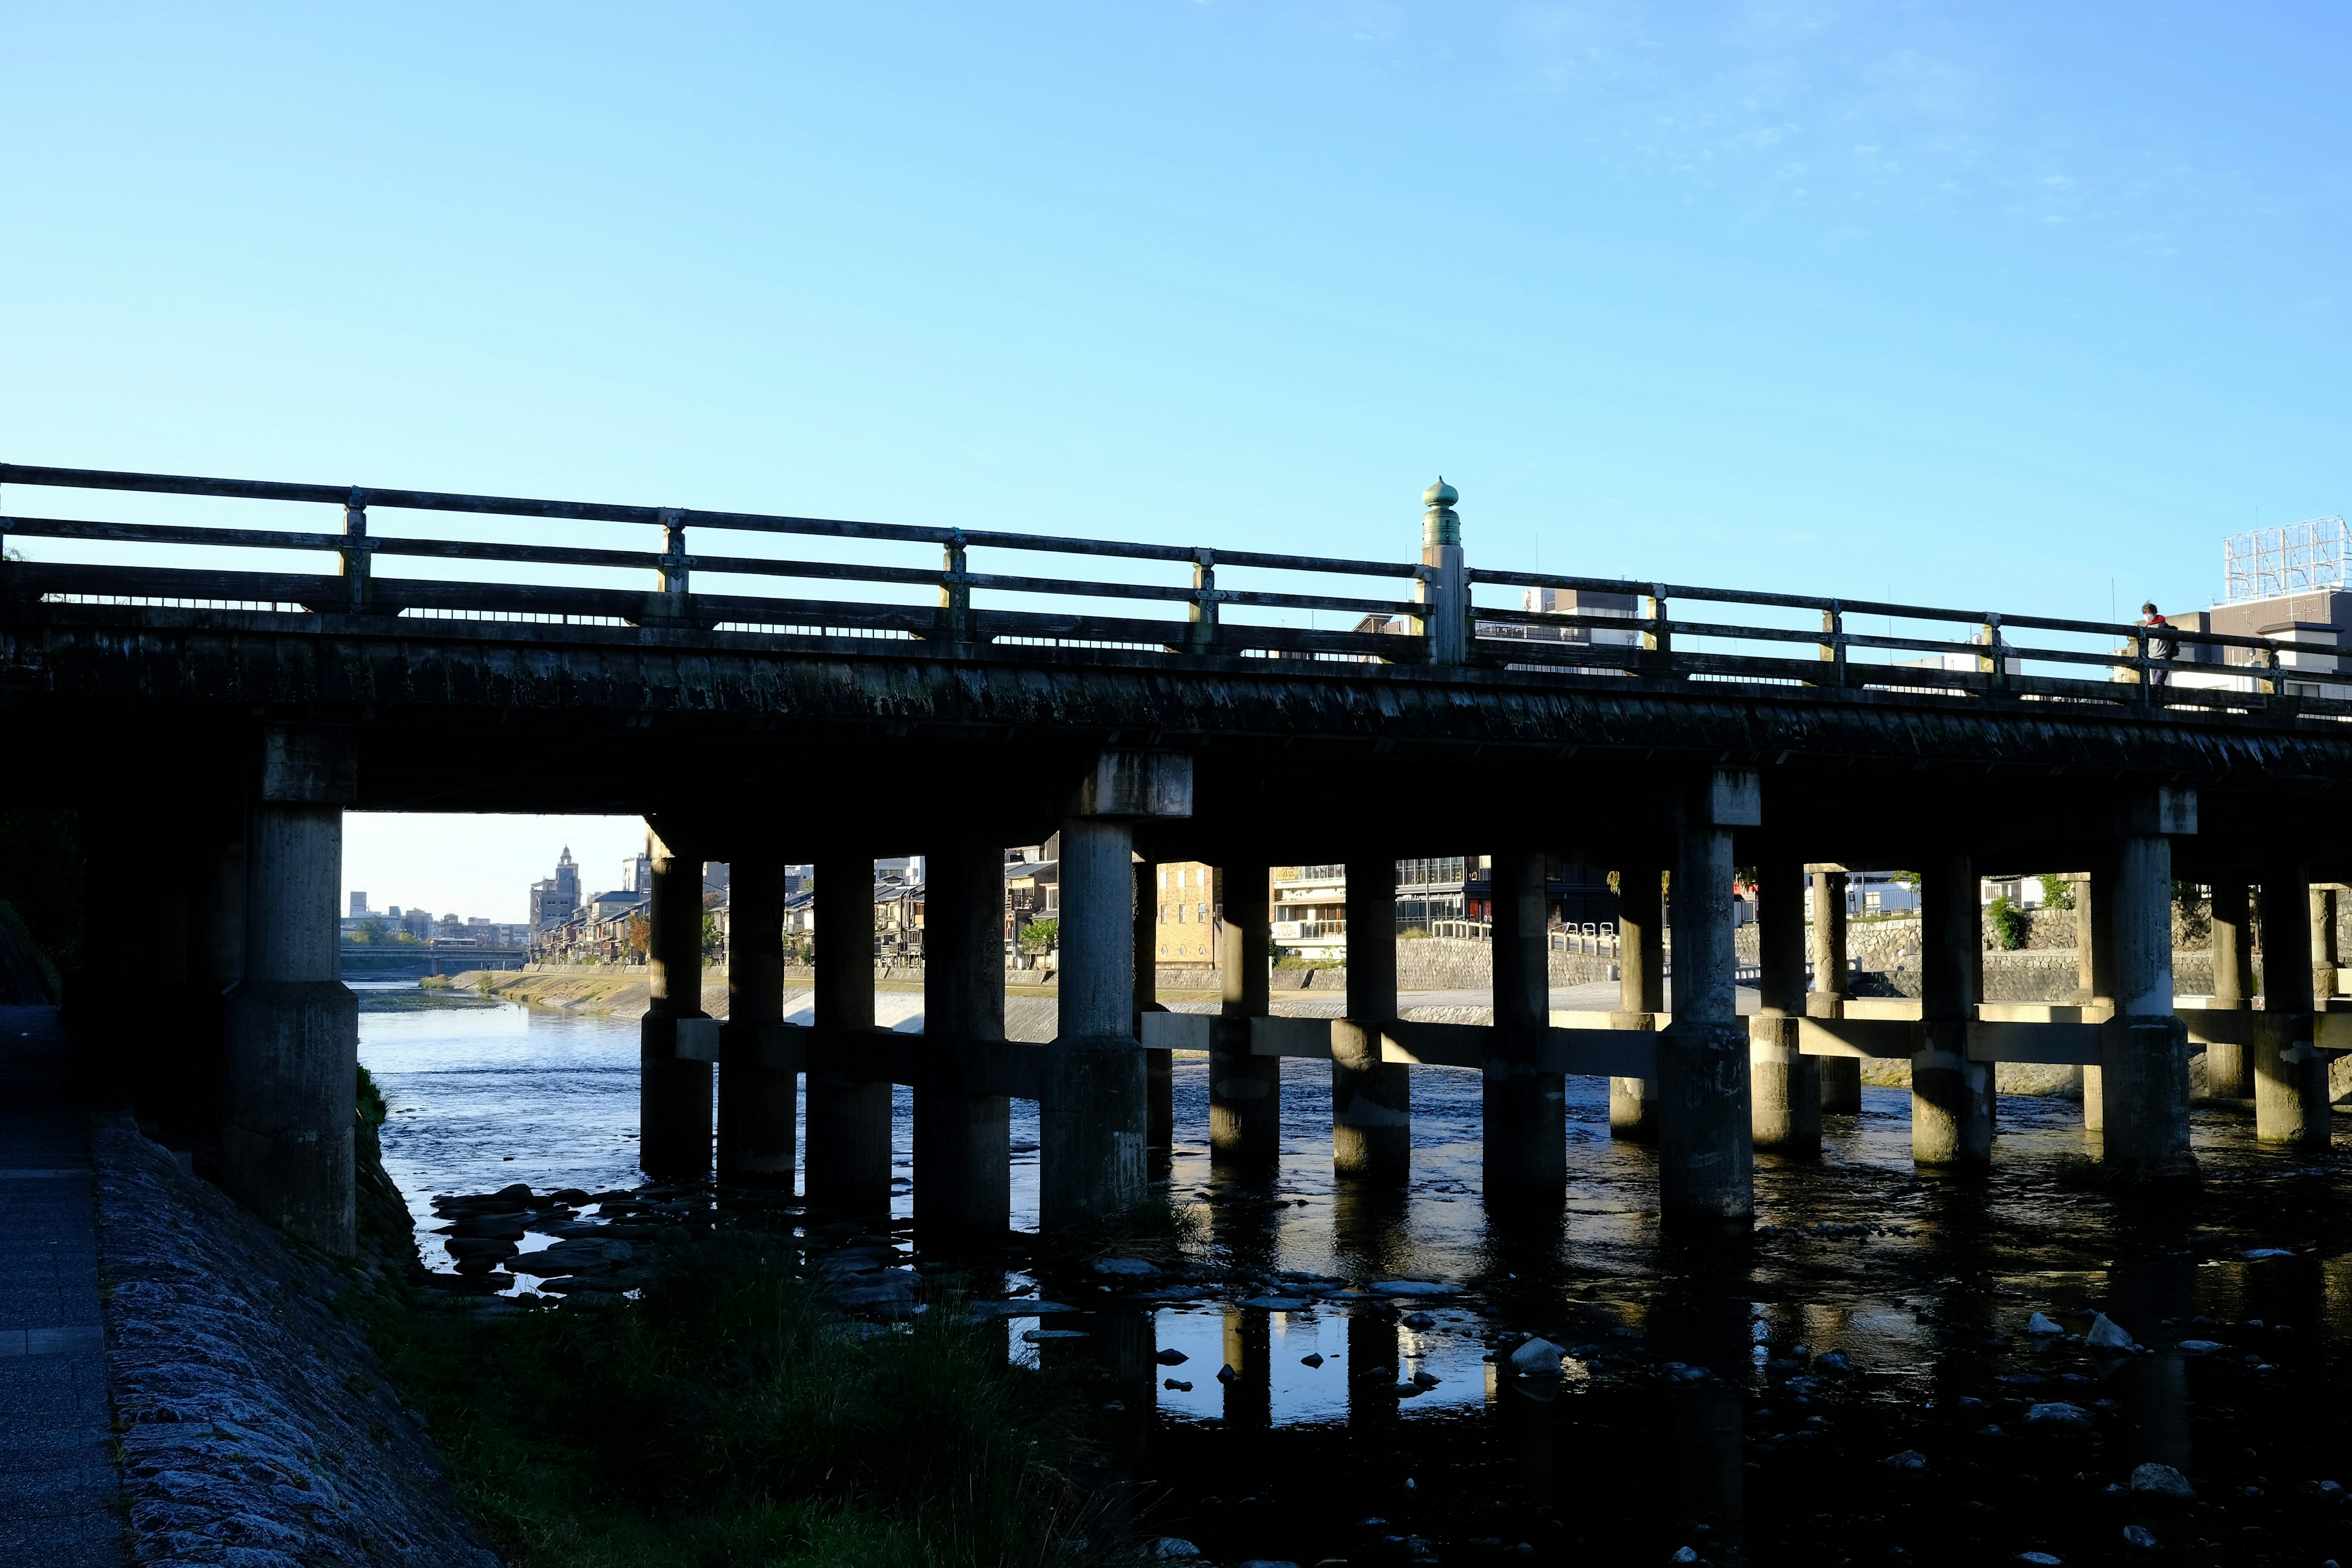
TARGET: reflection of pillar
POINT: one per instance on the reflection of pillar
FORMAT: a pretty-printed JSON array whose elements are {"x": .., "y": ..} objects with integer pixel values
[
  {"x": 2289, "y": 1075},
  {"x": 2227, "y": 1073},
  {"x": 1372, "y": 1368},
  {"x": 1159, "y": 1066},
  {"x": 1706, "y": 1466},
  {"x": 674, "y": 1089},
  {"x": 1128, "y": 1342},
  {"x": 1249, "y": 1350},
  {"x": 1640, "y": 989},
  {"x": 1371, "y": 1100},
  {"x": 1841, "y": 1075},
  {"x": 1245, "y": 1090},
  {"x": 1951, "y": 1101},
  {"x": 1525, "y": 1108},
  {"x": 757, "y": 1103},
  {"x": 1704, "y": 1164},
  {"x": 2144, "y": 1289},
  {"x": 848, "y": 1155},
  {"x": 2143, "y": 1047},
  {"x": 963, "y": 1128},
  {"x": 1784, "y": 1083},
  {"x": 291, "y": 1028}
]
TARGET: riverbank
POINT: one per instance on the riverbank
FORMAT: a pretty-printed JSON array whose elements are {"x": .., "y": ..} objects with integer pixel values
[{"x": 256, "y": 1424}]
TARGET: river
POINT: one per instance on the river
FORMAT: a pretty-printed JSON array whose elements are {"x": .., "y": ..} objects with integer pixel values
[{"x": 1679, "y": 1427}]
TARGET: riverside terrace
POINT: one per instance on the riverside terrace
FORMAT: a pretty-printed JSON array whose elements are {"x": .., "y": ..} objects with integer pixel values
[{"x": 1648, "y": 728}]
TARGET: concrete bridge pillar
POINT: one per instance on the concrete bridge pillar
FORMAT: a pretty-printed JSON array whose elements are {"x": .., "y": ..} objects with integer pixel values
[
  {"x": 1784, "y": 1084},
  {"x": 1524, "y": 1109},
  {"x": 1951, "y": 1097},
  {"x": 677, "y": 1041},
  {"x": 847, "y": 1162},
  {"x": 2290, "y": 1074},
  {"x": 2143, "y": 1047},
  {"x": 1245, "y": 1090},
  {"x": 2228, "y": 1071},
  {"x": 2325, "y": 954},
  {"x": 1705, "y": 1164},
  {"x": 1092, "y": 1114},
  {"x": 1159, "y": 1066},
  {"x": 2094, "y": 970},
  {"x": 1841, "y": 1076},
  {"x": 1640, "y": 989},
  {"x": 758, "y": 1100},
  {"x": 963, "y": 1135},
  {"x": 1371, "y": 1100},
  {"x": 291, "y": 1073}
]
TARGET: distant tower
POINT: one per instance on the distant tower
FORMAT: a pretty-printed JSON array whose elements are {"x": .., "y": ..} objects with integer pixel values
[{"x": 359, "y": 906}]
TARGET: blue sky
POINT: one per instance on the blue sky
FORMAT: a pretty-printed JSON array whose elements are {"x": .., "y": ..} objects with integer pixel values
[{"x": 2018, "y": 306}]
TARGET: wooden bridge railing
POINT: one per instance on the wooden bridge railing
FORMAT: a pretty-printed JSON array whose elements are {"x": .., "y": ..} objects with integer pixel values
[{"x": 1973, "y": 654}]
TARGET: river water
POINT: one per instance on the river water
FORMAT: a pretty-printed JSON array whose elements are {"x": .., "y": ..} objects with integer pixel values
[{"x": 1684, "y": 1420}]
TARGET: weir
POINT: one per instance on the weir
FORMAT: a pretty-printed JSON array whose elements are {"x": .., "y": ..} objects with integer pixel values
[{"x": 759, "y": 728}]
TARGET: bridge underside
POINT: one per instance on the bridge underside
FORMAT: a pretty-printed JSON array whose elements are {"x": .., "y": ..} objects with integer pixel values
[{"x": 764, "y": 739}]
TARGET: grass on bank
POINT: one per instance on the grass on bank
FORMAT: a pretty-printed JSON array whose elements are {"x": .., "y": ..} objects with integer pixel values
[{"x": 729, "y": 1419}]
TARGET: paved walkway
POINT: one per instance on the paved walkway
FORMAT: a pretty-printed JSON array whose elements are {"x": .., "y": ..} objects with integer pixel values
[{"x": 59, "y": 1490}]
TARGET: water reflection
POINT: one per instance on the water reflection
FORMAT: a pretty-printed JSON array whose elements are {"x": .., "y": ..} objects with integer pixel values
[{"x": 1740, "y": 1398}]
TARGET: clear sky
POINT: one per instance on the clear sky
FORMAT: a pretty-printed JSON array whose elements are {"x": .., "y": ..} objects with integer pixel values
[{"x": 2019, "y": 305}]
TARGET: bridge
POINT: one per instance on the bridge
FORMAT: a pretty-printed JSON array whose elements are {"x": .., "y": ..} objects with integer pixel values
[
  {"x": 400, "y": 961},
  {"x": 1151, "y": 702}
]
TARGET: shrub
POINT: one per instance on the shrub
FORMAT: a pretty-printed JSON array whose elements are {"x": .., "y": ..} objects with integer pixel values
[{"x": 2008, "y": 924}]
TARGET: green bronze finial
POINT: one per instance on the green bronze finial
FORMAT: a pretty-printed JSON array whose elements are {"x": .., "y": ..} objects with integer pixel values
[{"x": 1439, "y": 525}]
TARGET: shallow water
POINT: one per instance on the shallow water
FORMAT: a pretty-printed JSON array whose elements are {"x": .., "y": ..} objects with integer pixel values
[{"x": 1622, "y": 1459}]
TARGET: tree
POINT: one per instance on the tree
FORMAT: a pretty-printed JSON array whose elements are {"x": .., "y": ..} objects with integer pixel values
[
  {"x": 2057, "y": 892},
  {"x": 1039, "y": 935},
  {"x": 641, "y": 935},
  {"x": 372, "y": 930},
  {"x": 2008, "y": 923}
]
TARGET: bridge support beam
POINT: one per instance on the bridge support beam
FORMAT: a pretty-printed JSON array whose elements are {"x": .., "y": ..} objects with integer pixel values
[
  {"x": 1371, "y": 1100},
  {"x": 757, "y": 1103},
  {"x": 677, "y": 1041},
  {"x": 2143, "y": 1047},
  {"x": 1784, "y": 1084},
  {"x": 1092, "y": 1112},
  {"x": 964, "y": 1140},
  {"x": 1641, "y": 990},
  {"x": 1705, "y": 1161},
  {"x": 2229, "y": 1072},
  {"x": 290, "y": 1076},
  {"x": 1841, "y": 1075},
  {"x": 2289, "y": 1074},
  {"x": 1245, "y": 1090},
  {"x": 848, "y": 1123},
  {"x": 1951, "y": 1097},
  {"x": 1524, "y": 1109}
]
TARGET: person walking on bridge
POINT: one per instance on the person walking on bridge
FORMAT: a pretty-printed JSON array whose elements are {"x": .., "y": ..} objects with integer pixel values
[{"x": 2158, "y": 645}]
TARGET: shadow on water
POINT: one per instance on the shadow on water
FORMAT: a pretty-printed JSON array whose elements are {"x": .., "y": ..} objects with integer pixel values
[{"x": 1740, "y": 1398}]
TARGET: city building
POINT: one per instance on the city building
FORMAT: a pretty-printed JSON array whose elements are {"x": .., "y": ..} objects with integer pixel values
[
  {"x": 554, "y": 899},
  {"x": 359, "y": 906},
  {"x": 1190, "y": 906}
]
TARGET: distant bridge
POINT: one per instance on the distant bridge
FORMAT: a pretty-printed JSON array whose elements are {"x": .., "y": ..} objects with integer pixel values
[{"x": 390, "y": 960}]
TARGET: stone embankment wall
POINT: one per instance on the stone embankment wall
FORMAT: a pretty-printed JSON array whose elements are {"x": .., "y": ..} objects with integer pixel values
[{"x": 257, "y": 1427}]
